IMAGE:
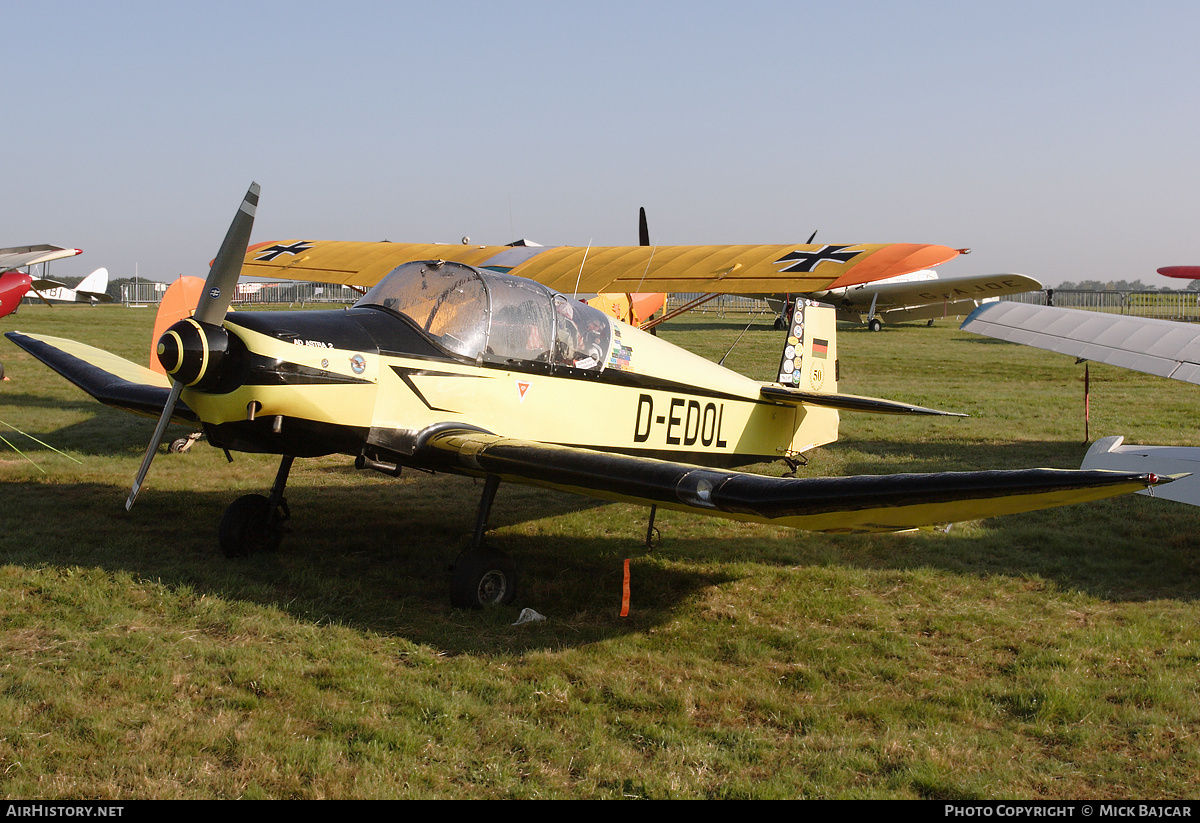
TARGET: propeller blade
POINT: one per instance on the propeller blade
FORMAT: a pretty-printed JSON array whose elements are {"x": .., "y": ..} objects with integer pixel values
[
  {"x": 810, "y": 237},
  {"x": 227, "y": 265},
  {"x": 168, "y": 410},
  {"x": 643, "y": 228},
  {"x": 214, "y": 303}
]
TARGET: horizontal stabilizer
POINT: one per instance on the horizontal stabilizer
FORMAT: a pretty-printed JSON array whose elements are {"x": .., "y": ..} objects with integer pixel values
[
  {"x": 108, "y": 378},
  {"x": 1108, "y": 453},
  {"x": 830, "y": 504},
  {"x": 848, "y": 402}
]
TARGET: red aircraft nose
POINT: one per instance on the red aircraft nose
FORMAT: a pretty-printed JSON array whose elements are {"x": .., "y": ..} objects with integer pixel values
[{"x": 13, "y": 285}]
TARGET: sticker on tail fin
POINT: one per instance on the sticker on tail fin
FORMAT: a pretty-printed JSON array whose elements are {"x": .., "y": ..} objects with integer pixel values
[
  {"x": 809, "y": 351},
  {"x": 792, "y": 362}
]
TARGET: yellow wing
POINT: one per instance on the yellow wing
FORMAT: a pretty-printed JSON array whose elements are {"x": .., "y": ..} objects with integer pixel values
[{"x": 571, "y": 269}]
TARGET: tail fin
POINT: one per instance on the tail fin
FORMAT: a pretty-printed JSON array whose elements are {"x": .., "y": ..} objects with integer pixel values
[
  {"x": 96, "y": 282},
  {"x": 808, "y": 370},
  {"x": 809, "y": 361}
]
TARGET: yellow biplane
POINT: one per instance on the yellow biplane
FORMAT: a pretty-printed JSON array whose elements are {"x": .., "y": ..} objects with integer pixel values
[{"x": 444, "y": 366}]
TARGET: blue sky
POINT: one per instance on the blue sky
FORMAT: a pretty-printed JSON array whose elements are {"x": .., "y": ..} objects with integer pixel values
[{"x": 1056, "y": 139}]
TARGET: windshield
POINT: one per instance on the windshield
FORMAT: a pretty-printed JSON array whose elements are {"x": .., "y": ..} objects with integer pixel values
[{"x": 481, "y": 314}]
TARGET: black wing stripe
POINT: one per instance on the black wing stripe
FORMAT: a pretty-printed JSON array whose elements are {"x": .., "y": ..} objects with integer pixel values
[
  {"x": 103, "y": 386},
  {"x": 658, "y": 481}
]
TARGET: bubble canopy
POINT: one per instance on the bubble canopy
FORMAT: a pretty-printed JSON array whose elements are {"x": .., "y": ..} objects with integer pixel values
[{"x": 485, "y": 315}]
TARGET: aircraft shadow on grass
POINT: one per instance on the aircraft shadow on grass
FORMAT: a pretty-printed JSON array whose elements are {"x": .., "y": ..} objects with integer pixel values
[
  {"x": 24, "y": 400},
  {"x": 374, "y": 556},
  {"x": 96, "y": 436}
]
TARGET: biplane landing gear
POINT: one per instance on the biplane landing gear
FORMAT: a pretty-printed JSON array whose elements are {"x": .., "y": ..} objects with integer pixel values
[
  {"x": 254, "y": 523},
  {"x": 483, "y": 576}
]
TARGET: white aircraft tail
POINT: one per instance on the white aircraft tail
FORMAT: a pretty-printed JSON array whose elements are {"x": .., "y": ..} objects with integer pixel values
[{"x": 96, "y": 282}]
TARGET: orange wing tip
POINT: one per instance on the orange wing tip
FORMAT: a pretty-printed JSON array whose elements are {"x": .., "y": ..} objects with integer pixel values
[{"x": 896, "y": 259}]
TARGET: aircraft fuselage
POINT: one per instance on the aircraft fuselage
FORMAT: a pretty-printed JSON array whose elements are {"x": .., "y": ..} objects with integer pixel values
[{"x": 367, "y": 381}]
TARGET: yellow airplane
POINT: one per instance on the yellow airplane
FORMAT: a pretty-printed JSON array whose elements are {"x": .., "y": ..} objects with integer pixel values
[{"x": 443, "y": 366}]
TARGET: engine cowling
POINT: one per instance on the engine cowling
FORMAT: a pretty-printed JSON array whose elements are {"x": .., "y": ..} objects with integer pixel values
[{"x": 194, "y": 353}]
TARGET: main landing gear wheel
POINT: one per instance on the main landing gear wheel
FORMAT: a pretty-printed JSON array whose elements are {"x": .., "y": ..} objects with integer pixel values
[
  {"x": 875, "y": 324},
  {"x": 247, "y": 527},
  {"x": 483, "y": 577}
]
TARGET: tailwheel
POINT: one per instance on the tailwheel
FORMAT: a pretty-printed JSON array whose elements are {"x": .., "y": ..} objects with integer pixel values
[
  {"x": 184, "y": 444},
  {"x": 248, "y": 527},
  {"x": 483, "y": 577}
]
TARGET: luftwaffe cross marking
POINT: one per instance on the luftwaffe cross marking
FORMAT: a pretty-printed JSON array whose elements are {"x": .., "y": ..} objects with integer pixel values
[
  {"x": 271, "y": 252},
  {"x": 808, "y": 260}
]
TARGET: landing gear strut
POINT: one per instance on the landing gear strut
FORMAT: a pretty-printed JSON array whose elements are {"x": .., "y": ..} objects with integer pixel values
[
  {"x": 254, "y": 523},
  {"x": 483, "y": 576}
]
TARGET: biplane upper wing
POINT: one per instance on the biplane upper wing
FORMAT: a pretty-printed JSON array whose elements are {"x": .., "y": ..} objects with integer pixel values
[
  {"x": 17, "y": 257},
  {"x": 112, "y": 380},
  {"x": 880, "y": 503},
  {"x": 772, "y": 269},
  {"x": 1145, "y": 344}
]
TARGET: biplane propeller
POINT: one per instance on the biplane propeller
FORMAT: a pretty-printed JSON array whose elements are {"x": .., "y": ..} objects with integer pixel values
[{"x": 442, "y": 366}]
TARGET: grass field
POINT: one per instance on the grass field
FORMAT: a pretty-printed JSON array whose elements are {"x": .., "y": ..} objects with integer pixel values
[{"x": 1048, "y": 655}]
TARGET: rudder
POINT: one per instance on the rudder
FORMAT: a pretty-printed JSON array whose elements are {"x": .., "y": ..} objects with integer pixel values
[{"x": 809, "y": 359}]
